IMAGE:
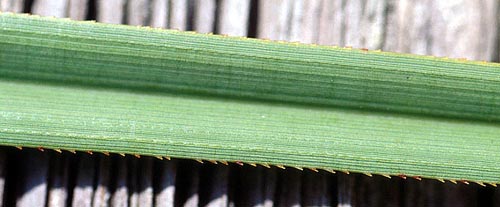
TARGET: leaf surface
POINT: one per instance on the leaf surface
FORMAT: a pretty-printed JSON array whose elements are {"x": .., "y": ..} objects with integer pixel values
[{"x": 110, "y": 88}]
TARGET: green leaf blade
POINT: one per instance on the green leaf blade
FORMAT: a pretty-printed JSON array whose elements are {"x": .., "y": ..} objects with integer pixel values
[
  {"x": 252, "y": 132},
  {"x": 109, "y": 88}
]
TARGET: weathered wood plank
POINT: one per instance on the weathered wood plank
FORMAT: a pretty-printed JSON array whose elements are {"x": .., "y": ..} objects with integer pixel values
[
  {"x": 58, "y": 181},
  {"x": 187, "y": 192},
  {"x": 159, "y": 13},
  {"x": 216, "y": 184},
  {"x": 167, "y": 178},
  {"x": 179, "y": 12},
  {"x": 457, "y": 29},
  {"x": 464, "y": 29},
  {"x": 316, "y": 189},
  {"x": 56, "y": 8},
  {"x": 110, "y": 11},
  {"x": 496, "y": 197},
  {"x": 119, "y": 197},
  {"x": 270, "y": 185},
  {"x": 459, "y": 195},
  {"x": 305, "y": 21},
  {"x": 345, "y": 190},
  {"x": 84, "y": 188},
  {"x": 101, "y": 192},
  {"x": 248, "y": 186},
  {"x": 364, "y": 23},
  {"x": 423, "y": 193},
  {"x": 11, "y": 5},
  {"x": 138, "y": 12},
  {"x": 233, "y": 17},
  {"x": 274, "y": 18},
  {"x": 146, "y": 182},
  {"x": 376, "y": 191},
  {"x": 77, "y": 9},
  {"x": 3, "y": 174},
  {"x": 204, "y": 16},
  {"x": 290, "y": 188},
  {"x": 32, "y": 189},
  {"x": 133, "y": 183},
  {"x": 330, "y": 23}
]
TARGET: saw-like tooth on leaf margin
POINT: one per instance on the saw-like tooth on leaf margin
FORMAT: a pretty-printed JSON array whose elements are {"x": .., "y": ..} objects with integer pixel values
[
  {"x": 330, "y": 171},
  {"x": 213, "y": 162},
  {"x": 122, "y": 154},
  {"x": 105, "y": 153},
  {"x": 368, "y": 174},
  {"x": 493, "y": 184},
  {"x": 387, "y": 176},
  {"x": 265, "y": 165},
  {"x": 58, "y": 150},
  {"x": 159, "y": 157},
  {"x": 252, "y": 164},
  {"x": 313, "y": 169},
  {"x": 481, "y": 184},
  {"x": 453, "y": 181},
  {"x": 441, "y": 180},
  {"x": 417, "y": 177},
  {"x": 280, "y": 166},
  {"x": 198, "y": 160},
  {"x": 137, "y": 155},
  {"x": 19, "y": 147},
  {"x": 298, "y": 168},
  {"x": 224, "y": 162}
]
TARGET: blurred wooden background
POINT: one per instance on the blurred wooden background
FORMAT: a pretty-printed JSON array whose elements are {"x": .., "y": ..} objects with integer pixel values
[{"x": 453, "y": 28}]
